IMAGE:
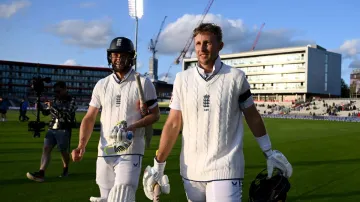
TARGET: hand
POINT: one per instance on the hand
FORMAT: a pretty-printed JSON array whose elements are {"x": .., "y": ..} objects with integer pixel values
[
  {"x": 155, "y": 175},
  {"x": 143, "y": 108},
  {"x": 278, "y": 160},
  {"x": 131, "y": 128},
  {"x": 48, "y": 103},
  {"x": 77, "y": 154}
]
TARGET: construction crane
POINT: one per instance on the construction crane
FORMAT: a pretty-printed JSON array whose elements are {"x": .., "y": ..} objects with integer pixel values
[
  {"x": 257, "y": 37},
  {"x": 190, "y": 39},
  {"x": 152, "y": 46}
]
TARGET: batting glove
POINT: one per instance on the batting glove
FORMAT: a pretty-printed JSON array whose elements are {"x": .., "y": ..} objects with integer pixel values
[
  {"x": 277, "y": 160},
  {"x": 155, "y": 175}
]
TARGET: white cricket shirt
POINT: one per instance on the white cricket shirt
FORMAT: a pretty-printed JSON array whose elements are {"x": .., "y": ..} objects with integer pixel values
[
  {"x": 119, "y": 101},
  {"x": 212, "y": 135}
]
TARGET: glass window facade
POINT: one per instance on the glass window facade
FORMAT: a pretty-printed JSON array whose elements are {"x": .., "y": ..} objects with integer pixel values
[
  {"x": 273, "y": 73},
  {"x": 15, "y": 79}
]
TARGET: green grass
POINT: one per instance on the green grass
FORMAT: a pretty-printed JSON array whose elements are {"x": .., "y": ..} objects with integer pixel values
[{"x": 324, "y": 155}]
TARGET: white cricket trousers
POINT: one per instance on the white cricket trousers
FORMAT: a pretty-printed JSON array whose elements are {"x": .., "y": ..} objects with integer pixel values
[
  {"x": 213, "y": 191},
  {"x": 116, "y": 170}
]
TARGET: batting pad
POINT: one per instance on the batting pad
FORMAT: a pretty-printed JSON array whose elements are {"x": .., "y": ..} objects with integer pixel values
[{"x": 121, "y": 193}]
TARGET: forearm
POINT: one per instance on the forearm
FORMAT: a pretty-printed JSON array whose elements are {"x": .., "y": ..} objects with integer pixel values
[
  {"x": 256, "y": 125},
  {"x": 86, "y": 128},
  {"x": 147, "y": 120},
  {"x": 167, "y": 141}
]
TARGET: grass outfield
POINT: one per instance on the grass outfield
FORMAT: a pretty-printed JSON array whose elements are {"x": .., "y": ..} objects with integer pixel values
[{"x": 324, "y": 155}]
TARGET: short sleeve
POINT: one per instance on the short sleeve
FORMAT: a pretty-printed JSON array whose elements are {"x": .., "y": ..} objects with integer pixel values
[
  {"x": 150, "y": 94},
  {"x": 95, "y": 97},
  {"x": 175, "y": 97},
  {"x": 245, "y": 98}
]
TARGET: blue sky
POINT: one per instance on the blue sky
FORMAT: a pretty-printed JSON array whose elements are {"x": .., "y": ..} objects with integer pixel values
[{"x": 78, "y": 32}]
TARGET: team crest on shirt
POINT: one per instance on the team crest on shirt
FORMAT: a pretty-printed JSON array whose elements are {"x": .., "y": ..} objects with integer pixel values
[
  {"x": 118, "y": 100},
  {"x": 206, "y": 102}
]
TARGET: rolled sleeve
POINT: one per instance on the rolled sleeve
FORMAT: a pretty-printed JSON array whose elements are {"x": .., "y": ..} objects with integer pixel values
[
  {"x": 175, "y": 97},
  {"x": 95, "y": 97}
]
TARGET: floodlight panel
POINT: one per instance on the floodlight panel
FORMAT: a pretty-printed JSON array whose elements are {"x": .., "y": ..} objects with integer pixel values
[{"x": 136, "y": 8}]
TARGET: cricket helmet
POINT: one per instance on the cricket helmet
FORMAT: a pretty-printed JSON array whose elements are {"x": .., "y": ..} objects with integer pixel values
[
  {"x": 122, "y": 45},
  {"x": 269, "y": 190}
]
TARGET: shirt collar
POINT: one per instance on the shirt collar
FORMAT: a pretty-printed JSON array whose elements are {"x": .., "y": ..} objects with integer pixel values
[
  {"x": 125, "y": 77},
  {"x": 215, "y": 69}
]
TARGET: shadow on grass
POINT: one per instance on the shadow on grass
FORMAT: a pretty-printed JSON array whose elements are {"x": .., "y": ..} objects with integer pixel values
[
  {"x": 17, "y": 161},
  {"x": 308, "y": 195},
  {"x": 71, "y": 177},
  {"x": 322, "y": 196},
  {"x": 21, "y": 150},
  {"x": 313, "y": 163}
]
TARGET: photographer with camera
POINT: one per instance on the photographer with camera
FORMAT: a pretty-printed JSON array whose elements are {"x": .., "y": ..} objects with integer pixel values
[{"x": 62, "y": 110}]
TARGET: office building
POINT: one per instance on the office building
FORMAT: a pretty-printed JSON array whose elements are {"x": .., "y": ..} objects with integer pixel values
[
  {"x": 16, "y": 79},
  {"x": 287, "y": 74}
]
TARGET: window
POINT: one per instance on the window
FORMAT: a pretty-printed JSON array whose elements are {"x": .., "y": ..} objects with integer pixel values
[
  {"x": 326, "y": 58},
  {"x": 326, "y": 71}
]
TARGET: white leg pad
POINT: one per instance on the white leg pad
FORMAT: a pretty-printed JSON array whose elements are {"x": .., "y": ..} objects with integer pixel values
[
  {"x": 121, "y": 193},
  {"x": 97, "y": 199}
]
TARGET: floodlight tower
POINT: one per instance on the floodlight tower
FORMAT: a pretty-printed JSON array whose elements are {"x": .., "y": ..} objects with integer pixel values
[{"x": 136, "y": 11}]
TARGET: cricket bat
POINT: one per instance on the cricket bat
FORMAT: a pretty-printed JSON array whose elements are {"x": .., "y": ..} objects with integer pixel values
[
  {"x": 148, "y": 129},
  {"x": 157, "y": 190}
]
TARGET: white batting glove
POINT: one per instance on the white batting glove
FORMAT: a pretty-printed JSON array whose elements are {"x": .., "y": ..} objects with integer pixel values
[
  {"x": 122, "y": 139},
  {"x": 98, "y": 199},
  {"x": 155, "y": 175},
  {"x": 114, "y": 132},
  {"x": 277, "y": 160}
]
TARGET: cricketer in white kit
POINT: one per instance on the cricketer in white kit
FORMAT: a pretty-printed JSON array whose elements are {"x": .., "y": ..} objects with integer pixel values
[
  {"x": 118, "y": 165},
  {"x": 208, "y": 102}
]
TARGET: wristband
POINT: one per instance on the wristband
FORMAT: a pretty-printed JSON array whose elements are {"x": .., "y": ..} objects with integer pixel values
[{"x": 265, "y": 144}]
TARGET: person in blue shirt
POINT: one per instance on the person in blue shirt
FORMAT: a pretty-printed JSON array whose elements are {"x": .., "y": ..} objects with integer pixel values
[
  {"x": 4, "y": 106},
  {"x": 23, "y": 109}
]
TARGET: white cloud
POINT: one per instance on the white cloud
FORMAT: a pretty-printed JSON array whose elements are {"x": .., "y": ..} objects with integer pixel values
[
  {"x": 350, "y": 48},
  {"x": 86, "y": 34},
  {"x": 350, "y": 51},
  {"x": 355, "y": 64},
  {"x": 139, "y": 65},
  {"x": 87, "y": 4},
  {"x": 70, "y": 62},
  {"x": 8, "y": 10},
  {"x": 169, "y": 78},
  {"x": 236, "y": 35}
]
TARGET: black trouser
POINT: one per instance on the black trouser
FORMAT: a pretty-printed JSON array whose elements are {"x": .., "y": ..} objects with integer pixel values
[{"x": 23, "y": 116}]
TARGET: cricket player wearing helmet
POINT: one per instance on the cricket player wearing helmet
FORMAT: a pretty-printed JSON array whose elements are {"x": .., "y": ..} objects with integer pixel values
[
  {"x": 120, "y": 153},
  {"x": 208, "y": 103}
]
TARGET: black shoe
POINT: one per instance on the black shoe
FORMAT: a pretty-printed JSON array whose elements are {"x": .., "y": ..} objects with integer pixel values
[
  {"x": 64, "y": 174},
  {"x": 35, "y": 176}
]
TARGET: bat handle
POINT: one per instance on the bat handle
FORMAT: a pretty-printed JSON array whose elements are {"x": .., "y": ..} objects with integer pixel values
[{"x": 157, "y": 193}]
